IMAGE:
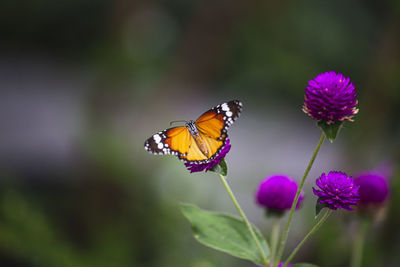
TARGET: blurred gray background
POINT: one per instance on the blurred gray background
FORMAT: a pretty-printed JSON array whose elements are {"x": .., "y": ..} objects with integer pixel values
[{"x": 84, "y": 83}]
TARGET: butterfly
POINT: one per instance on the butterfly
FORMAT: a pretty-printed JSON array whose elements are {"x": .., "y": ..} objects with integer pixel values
[{"x": 198, "y": 141}]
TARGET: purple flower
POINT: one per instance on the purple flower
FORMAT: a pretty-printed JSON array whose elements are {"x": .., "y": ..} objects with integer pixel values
[
  {"x": 277, "y": 193},
  {"x": 374, "y": 188},
  {"x": 337, "y": 190},
  {"x": 330, "y": 97},
  {"x": 199, "y": 167}
]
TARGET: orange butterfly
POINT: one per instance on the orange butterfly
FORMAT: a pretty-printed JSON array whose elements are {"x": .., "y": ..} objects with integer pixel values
[{"x": 198, "y": 141}]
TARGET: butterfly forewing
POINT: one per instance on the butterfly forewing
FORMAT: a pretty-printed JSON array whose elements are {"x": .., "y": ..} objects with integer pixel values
[
  {"x": 174, "y": 141},
  {"x": 216, "y": 121}
]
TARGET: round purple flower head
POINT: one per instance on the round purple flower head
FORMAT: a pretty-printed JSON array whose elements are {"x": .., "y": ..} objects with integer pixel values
[
  {"x": 277, "y": 193},
  {"x": 373, "y": 189},
  {"x": 337, "y": 190},
  {"x": 330, "y": 97},
  {"x": 199, "y": 167}
]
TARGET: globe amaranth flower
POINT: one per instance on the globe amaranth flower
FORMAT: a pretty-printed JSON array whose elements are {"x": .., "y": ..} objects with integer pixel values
[
  {"x": 277, "y": 192},
  {"x": 373, "y": 189},
  {"x": 337, "y": 190},
  {"x": 330, "y": 97},
  {"x": 199, "y": 167}
]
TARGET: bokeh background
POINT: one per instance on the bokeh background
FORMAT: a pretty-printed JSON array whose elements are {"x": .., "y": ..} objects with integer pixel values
[{"x": 84, "y": 83}]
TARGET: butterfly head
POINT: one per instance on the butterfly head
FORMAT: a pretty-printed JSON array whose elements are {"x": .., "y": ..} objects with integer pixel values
[{"x": 192, "y": 128}]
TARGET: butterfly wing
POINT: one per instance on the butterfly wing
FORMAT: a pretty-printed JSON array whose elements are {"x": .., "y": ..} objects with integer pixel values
[
  {"x": 173, "y": 141},
  {"x": 178, "y": 141},
  {"x": 213, "y": 147},
  {"x": 212, "y": 127},
  {"x": 194, "y": 153},
  {"x": 216, "y": 121}
]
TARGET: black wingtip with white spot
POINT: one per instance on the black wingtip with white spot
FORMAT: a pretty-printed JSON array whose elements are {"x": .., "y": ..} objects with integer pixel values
[
  {"x": 231, "y": 111},
  {"x": 156, "y": 145}
]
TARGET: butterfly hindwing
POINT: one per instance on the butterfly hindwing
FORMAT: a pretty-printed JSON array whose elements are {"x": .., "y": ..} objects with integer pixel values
[{"x": 194, "y": 153}]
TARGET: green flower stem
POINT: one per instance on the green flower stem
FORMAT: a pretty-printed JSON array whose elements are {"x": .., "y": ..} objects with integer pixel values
[
  {"x": 287, "y": 226},
  {"x": 274, "y": 237},
  {"x": 228, "y": 189},
  {"x": 312, "y": 231},
  {"x": 358, "y": 248}
]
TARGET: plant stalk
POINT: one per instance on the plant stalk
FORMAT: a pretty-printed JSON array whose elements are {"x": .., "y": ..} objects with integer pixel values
[
  {"x": 235, "y": 202},
  {"x": 312, "y": 231},
  {"x": 274, "y": 237},
  {"x": 358, "y": 248},
  {"x": 289, "y": 220}
]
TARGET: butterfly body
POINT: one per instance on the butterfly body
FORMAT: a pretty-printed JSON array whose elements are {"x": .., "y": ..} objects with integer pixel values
[{"x": 198, "y": 141}]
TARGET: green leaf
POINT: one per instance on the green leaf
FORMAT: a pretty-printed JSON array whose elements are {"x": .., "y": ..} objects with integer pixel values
[
  {"x": 304, "y": 265},
  {"x": 224, "y": 233},
  {"x": 221, "y": 168},
  {"x": 330, "y": 130},
  {"x": 318, "y": 208}
]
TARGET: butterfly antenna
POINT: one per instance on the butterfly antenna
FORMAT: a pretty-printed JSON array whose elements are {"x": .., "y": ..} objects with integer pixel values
[{"x": 172, "y": 122}]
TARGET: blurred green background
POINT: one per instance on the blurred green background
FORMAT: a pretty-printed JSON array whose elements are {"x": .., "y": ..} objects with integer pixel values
[{"x": 84, "y": 83}]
